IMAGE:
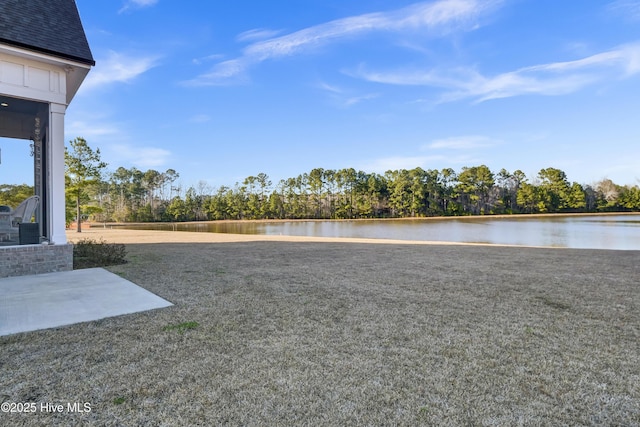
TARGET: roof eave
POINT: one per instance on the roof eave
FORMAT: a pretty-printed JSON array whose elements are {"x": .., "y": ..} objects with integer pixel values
[{"x": 87, "y": 61}]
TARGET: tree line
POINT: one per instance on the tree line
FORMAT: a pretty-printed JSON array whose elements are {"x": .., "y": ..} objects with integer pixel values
[{"x": 132, "y": 195}]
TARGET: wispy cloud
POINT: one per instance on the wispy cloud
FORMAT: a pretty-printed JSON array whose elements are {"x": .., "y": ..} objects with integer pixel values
[
  {"x": 383, "y": 164},
  {"x": 557, "y": 78},
  {"x": 353, "y": 100},
  {"x": 438, "y": 16},
  {"x": 140, "y": 157},
  {"x": 330, "y": 88},
  {"x": 200, "y": 118},
  {"x": 462, "y": 143},
  {"x": 257, "y": 34},
  {"x": 203, "y": 59},
  {"x": 435, "y": 17},
  {"x": 629, "y": 9},
  {"x": 343, "y": 97},
  {"x": 89, "y": 130},
  {"x": 118, "y": 67},
  {"x": 136, "y": 4},
  {"x": 224, "y": 73}
]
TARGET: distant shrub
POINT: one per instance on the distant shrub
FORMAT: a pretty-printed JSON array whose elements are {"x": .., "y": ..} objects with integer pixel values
[{"x": 89, "y": 253}]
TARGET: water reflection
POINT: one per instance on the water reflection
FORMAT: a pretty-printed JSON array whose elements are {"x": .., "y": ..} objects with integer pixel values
[{"x": 597, "y": 232}]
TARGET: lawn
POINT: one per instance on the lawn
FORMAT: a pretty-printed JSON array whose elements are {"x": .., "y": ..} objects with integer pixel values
[{"x": 294, "y": 333}]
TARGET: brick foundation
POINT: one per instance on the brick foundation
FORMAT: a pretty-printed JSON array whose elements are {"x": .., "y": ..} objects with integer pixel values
[{"x": 26, "y": 260}]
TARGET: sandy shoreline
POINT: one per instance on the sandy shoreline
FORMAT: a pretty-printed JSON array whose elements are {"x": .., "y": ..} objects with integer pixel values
[{"x": 126, "y": 236}]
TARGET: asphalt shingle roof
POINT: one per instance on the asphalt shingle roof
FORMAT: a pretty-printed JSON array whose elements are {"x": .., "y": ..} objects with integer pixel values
[{"x": 47, "y": 26}]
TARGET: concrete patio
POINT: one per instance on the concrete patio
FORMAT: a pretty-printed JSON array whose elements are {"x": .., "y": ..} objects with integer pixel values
[{"x": 43, "y": 301}]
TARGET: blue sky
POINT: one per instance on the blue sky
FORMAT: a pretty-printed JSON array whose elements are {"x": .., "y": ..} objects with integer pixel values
[{"x": 219, "y": 91}]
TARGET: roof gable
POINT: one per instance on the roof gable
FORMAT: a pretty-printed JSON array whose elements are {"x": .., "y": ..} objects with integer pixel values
[{"x": 52, "y": 27}]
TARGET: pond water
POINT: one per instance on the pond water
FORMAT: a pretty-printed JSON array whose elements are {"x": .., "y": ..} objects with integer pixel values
[{"x": 591, "y": 231}]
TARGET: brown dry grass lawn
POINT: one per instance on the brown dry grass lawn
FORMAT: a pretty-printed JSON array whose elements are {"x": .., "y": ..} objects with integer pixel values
[{"x": 321, "y": 333}]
